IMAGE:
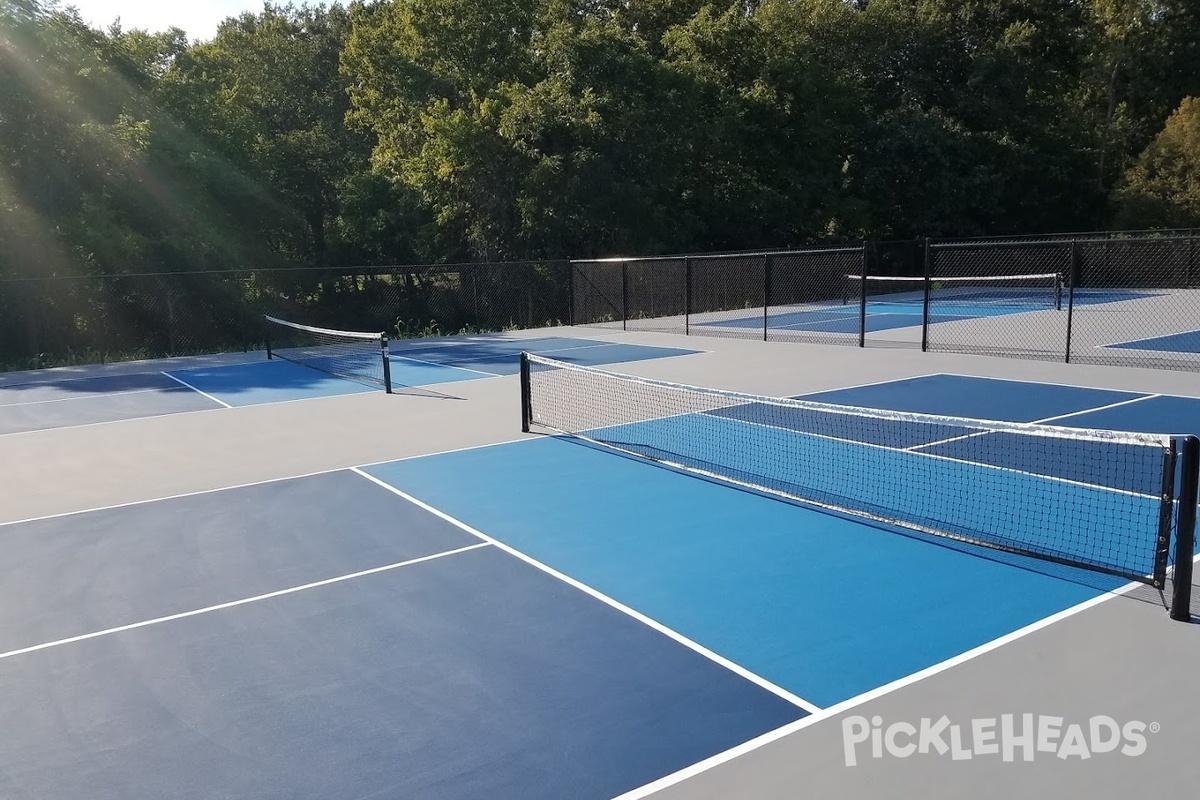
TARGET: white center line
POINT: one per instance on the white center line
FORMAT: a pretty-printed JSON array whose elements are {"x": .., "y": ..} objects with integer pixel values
[{"x": 235, "y": 603}]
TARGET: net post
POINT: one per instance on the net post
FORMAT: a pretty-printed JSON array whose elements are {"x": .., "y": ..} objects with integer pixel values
[
  {"x": 687, "y": 296},
  {"x": 387, "y": 363},
  {"x": 925, "y": 302},
  {"x": 862, "y": 299},
  {"x": 267, "y": 334},
  {"x": 767, "y": 262},
  {"x": 1185, "y": 530},
  {"x": 624, "y": 295},
  {"x": 526, "y": 405},
  {"x": 1072, "y": 272}
]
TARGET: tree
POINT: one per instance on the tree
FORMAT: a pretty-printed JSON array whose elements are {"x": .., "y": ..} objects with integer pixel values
[{"x": 1162, "y": 188}]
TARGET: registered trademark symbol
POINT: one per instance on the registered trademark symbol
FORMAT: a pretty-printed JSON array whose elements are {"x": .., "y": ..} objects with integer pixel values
[{"x": 1155, "y": 727}]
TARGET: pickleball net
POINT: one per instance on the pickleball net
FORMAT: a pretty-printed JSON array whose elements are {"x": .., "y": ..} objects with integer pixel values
[
  {"x": 1094, "y": 499},
  {"x": 354, "y": 355},
  {"x": 1043, "y": 290}
]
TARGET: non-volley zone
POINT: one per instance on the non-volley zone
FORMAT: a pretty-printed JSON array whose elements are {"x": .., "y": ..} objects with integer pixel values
[
  {"x": 900, "y": 303},
  {"x": 56, "y": 400}
]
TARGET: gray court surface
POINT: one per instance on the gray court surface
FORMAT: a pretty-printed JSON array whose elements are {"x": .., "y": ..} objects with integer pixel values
[{"x": 1119, "y": 659}]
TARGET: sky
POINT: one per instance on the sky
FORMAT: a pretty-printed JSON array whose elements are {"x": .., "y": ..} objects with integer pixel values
[{"x": 199, "y": 18}]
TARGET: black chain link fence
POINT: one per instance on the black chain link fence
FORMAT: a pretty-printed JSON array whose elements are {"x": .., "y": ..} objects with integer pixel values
[
  {"x": 97, "y": 319},
  {"x": 1113, "y": 298}
]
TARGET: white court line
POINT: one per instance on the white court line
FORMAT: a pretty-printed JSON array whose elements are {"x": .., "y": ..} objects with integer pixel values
[
  {"x": 315, "y": 398},
  {"x": 233, "y": 604},
  {"x": 264, "y": 482},
  {"x": 1126, "y": 345},
  {"x": 1035, "y": 382},
  {"x": 916, "y": 447},
  {"x": 96, "y": 396},
  {"x": 194, "y": 389},
  {"x": 446, "y": 365},
  {"x": 874, "y": 694},
  {"x": 675, "y": 636},
  {"x": 884, "y": 382},
  {"x": 556, "y": 350},
  {"x": 827, "y": 437}
]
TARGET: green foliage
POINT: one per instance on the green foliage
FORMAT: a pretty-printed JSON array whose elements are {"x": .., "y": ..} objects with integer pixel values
[
  {"x": 1162, "y": 188},
  {"x": 401, "y": 131}
]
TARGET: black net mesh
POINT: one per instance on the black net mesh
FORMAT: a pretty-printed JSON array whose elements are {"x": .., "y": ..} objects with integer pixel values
[
  {"x": 1093, "y": 499},
  {"x": 357, "y": 356}
]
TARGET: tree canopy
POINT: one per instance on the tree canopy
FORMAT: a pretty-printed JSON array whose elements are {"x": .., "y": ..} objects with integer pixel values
[{"x": 443, "y": 130}]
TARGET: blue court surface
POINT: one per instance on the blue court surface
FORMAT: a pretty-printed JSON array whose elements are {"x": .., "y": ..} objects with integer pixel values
[
  {"x": 906, "y": 311},
  {"x": 415, "y": 365},
  {"x": 537, "y": 619},
  {"x": 1186, "y": 342}
]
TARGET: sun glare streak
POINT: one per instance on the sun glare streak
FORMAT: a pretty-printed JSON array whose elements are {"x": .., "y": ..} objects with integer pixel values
[{"x": 105, "y": 153}]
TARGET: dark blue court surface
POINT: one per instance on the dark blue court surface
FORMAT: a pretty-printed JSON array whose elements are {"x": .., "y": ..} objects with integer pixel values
[
  {"x": 415, "y": 364},
  {"x": 448, "y": 669},
  {"x": 84, "y": 401},
  {"x": 611, "y": 622},
  {"x": 1186, "y": 342}
]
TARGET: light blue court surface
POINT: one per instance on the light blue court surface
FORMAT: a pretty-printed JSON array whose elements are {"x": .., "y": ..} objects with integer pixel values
[
  {"x": 907, "y": 310},
  {"x": 484, "y": 355},
  {"x": 821, "y": 605},
  {"x": 1186, "y": 342},
  {"x": 415, "y": 365}
]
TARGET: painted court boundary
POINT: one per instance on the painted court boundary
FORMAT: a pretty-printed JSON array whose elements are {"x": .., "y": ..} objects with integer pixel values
[
  {"x": 263, "y": 482},
  {"x": 234, "y": 603},
  {"x": 588, "y": 590},
  {"x": 874, "y": 694}
]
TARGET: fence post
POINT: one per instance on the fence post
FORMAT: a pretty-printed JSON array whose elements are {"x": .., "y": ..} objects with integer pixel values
[
  {"x": 1072, "y": 270},
  {"x": 1191, "y": 270},
  {"x": 570, "y": 292},
  {"x": 767, "y": 263},
  {"x": 687, "y": 296},
  {"x": 862, "y": 298},
  {"x": 624, "y": 295},
  {"x": 925, "y": 302}
]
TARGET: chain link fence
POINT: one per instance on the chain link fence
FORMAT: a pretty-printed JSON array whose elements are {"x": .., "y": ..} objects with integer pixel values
[
  {"x": 1122, "y": 299},
  {"x": 1112, "y": 298},
  {"x": 96, "y": 319}
]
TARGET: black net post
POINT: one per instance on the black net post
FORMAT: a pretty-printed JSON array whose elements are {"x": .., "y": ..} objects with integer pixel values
[
  {"x": 766, "y": 295},
  {"x": 526, "y": 406},
  {"x": 925, "y": 301},
  {"x": 267, "y": 337},
  {"x": 1185, "y": 529},
  {"x": 387, "y": 363},
  {"x": 1072, "y": 273},
  {"x": 862, "y": 299}
]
